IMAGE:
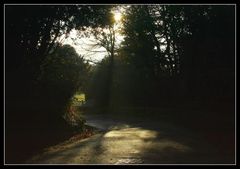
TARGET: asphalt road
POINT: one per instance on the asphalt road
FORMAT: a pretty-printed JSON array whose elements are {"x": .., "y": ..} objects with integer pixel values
[{"x": 128, "y": 141}]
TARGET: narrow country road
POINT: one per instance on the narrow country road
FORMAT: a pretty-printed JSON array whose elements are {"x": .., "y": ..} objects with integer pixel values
[{"x": 133, "y": 142}]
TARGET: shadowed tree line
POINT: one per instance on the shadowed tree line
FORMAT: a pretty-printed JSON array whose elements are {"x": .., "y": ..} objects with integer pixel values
[
  {"x": 171, "y": 57},
  {"x": 41, "y": 74}
]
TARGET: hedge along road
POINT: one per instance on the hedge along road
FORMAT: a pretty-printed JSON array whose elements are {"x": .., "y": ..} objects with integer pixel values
[{"x": 141, "y": 141}]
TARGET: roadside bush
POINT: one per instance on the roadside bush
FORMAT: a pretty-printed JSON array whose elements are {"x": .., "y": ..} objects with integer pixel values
[{"x": 62, "y": 74}]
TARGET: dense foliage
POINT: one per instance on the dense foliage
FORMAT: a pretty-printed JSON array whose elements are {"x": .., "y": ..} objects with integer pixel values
[{"x": 41, "y": 76}]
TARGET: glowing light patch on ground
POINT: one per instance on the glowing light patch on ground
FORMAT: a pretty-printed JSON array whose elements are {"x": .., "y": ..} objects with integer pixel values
[
  {"x": 130, "y": 132},
  {"x": 139, "y": 140},
  {"x": 121, "y": 144}
]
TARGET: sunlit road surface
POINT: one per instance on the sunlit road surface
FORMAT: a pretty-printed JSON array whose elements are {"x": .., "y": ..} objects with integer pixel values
[{"x": 133, "y": 143}]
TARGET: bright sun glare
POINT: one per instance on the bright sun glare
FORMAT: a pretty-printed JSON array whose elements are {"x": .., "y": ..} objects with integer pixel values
[{"x": 117, "y": 16}]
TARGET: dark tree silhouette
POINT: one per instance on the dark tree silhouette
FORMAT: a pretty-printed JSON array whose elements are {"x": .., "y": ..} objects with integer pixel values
[{"x": 31, "y": 35}]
